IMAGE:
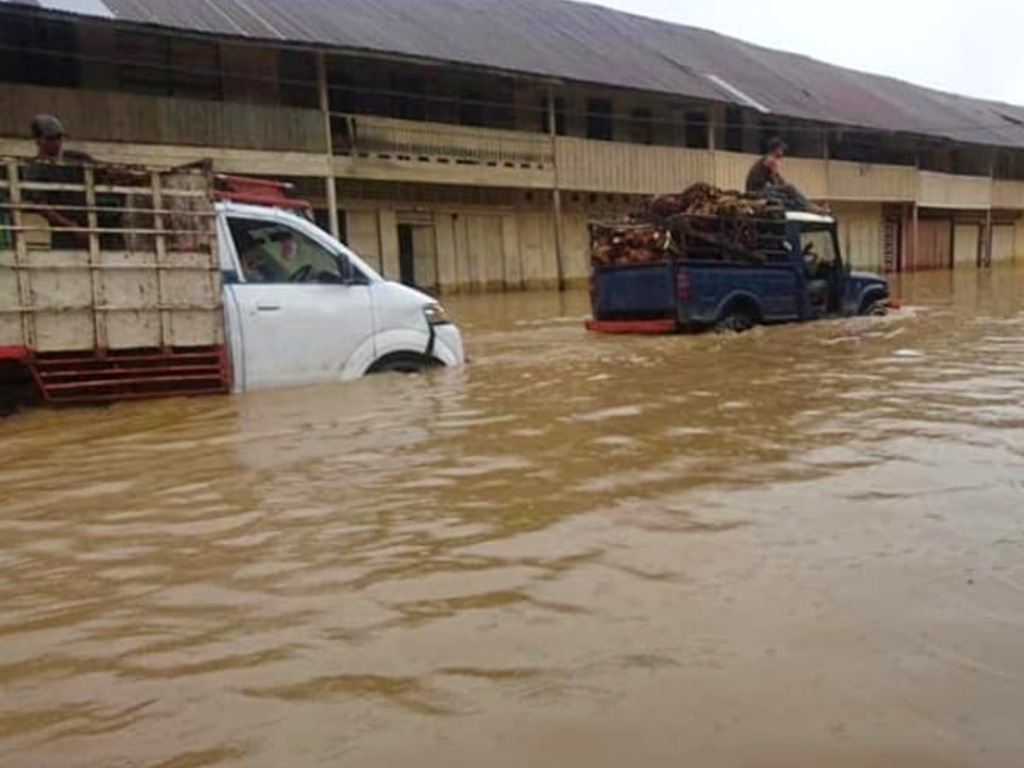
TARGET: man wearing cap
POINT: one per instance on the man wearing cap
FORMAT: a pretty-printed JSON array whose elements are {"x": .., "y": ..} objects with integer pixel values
[
  {"x": 55, "y": 165},
  {"x": 765, "y": 178}
]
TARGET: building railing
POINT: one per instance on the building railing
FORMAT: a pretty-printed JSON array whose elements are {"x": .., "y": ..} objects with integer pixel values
[
  {"x": 1008, "y": 195},
  {"x": 943, "y": 190},
  {"x": 363, "y": 135},
  {"x": 604, "y": 166},
  {"x": 871, "y": 181}
]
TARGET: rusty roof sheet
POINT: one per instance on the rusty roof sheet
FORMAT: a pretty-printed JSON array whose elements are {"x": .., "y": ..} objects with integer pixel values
[{"x": 589, "y": 44}]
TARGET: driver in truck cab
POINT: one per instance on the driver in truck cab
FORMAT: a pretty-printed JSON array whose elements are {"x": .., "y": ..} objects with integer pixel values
[{"x": 258, "y": 265}]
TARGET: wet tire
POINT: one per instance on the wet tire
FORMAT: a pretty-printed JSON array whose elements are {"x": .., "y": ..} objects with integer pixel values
[
  {"x": 403, "y": 362},
  {"x": 17, "y": 388},
  {"x": 8, "y": 407},
  {"x": 735, "y": 321}
]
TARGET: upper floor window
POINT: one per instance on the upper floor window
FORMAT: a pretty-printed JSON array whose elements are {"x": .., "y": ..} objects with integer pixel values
[
  {"x": 641, "y": 126},
  {"x": 734, "y": 129},
  {"x": 696, "y": 132},
  {"x": 161, "y": 65},
  {"x": 39, "y": 52},
  {"x": 545, "y": 115},
  {"x": 599, "y": 119}
]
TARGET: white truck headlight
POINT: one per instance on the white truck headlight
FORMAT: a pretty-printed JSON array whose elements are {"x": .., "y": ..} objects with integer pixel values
[{"x": 436, "y": 315}]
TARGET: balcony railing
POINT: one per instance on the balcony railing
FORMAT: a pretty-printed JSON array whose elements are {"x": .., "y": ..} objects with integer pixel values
[
  {"x": 869, "y": 181},
  {"x": 389, "y": 138},
  {"x": 943, "y": 190},
  {"x": 1008, "y": 195},
  {"x": 601, "y": 166}
]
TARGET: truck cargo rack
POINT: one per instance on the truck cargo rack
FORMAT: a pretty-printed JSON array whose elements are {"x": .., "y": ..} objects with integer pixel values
[
  {"x": 124, "y": 305},
  {"x": 689, "y": 237}
]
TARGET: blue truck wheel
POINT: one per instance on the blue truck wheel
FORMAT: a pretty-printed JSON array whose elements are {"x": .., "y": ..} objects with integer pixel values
[
  {"x": 875, "y": 307},
  {"x": 735, "y": 320}
]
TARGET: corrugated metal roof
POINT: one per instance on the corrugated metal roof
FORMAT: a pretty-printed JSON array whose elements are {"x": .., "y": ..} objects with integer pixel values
[{"x": 590, "y": 44}]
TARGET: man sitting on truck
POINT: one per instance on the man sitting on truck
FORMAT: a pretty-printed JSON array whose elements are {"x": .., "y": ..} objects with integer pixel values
[{"x": 765, "y": 178}]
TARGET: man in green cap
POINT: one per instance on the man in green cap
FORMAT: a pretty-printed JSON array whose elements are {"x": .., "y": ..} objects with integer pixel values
[{"x": 55, "y": 165}]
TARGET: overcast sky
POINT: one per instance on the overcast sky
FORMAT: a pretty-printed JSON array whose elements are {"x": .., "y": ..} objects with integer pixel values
[{"x": 973, "y": 47}]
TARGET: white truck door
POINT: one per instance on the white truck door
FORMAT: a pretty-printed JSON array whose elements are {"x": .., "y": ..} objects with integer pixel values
[{"x": 301, "y": 310}]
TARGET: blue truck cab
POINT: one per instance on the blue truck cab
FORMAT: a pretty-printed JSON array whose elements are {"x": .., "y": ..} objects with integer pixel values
[{"x": 799, "y": 275}]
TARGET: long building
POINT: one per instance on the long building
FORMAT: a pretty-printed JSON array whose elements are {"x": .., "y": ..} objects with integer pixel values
[{"x": 463, "y": 145}]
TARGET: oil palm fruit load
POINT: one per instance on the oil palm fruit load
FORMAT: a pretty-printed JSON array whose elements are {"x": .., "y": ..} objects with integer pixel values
[{"x": 701, "y": 222}]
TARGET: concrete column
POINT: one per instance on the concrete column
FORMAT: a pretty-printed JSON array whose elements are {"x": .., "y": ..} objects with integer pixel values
[
  {"x": 825, "y": 157},
  {"x": 986, "y": 246},
  {"x": 915, "y": 238},
  {"x": 329, "y": 181},
  {"x": 556, "y": 193}
]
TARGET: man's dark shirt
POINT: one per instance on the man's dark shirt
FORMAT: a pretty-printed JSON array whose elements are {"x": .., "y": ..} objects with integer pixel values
[
  {"x": 758, "y": 177},
  {"x": 68, "y": 171}
]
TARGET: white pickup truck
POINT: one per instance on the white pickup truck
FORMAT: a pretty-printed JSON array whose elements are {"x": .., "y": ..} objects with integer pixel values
[{"x": 168, "y": 285}]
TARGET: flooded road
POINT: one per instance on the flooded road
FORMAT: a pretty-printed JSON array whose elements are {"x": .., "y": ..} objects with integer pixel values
[{"x": 803, "y": 546}]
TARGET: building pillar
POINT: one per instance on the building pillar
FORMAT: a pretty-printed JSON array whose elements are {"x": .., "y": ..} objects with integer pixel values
[
  {"x": 823, "y": 136},
  {"x": 556, "y": 192},
  {"x": 915, "y": 237},
  {"x": 329, "y": 180},
  {"x": 986, "y": 252},
  {"x": 986, "y": 243}
]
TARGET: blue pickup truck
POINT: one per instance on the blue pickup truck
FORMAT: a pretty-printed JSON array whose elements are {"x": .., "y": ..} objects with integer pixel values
[{"x": 796, "y": 273}]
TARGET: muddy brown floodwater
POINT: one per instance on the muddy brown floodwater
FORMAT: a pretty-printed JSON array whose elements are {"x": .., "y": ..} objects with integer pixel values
[{"x": 803, "y": 546}]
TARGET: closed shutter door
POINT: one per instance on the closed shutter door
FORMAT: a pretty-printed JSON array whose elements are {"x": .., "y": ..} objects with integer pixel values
[
  {"x": 860, "y": 240},
  {"x": 935, "y": 249},
  {"x": 484, "y": 257},
  {"x": 864, "y": 246},
  {"x": 1002, "y": 244},
  {"x": 965, "y": 245}
]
